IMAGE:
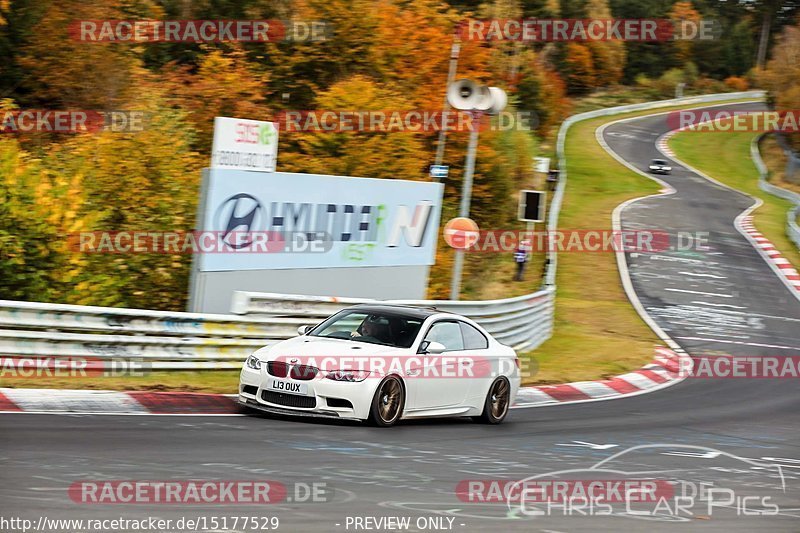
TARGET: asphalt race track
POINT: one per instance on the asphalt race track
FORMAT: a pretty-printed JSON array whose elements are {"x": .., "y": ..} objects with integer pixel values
[{"x": 722, "y": 433}]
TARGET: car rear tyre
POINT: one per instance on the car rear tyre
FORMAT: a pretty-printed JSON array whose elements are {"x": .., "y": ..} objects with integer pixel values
[
  {"x": 498, "y": 400},
  {"x": 388, "y": 402}
]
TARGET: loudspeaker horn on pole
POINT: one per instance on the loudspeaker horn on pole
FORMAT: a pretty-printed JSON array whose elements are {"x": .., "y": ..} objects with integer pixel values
[
  {"x": 498, "y": 100},
  {"x": 464, "y": 94},
  {"x": 485, "y": 99}
]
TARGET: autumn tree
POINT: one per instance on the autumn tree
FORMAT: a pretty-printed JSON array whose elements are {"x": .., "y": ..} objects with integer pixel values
[
  {"x": 782, "y": 75},
  {"x": 375, "y": 154},
  {"x": 683, "y": 13},
  {"x": 580, "y": 69},
  {"x": 542, "y": 90},
  {"x": 26, "y": 237},
  {"x": 224, "y": 84},
  {"x": 608, "y": 57},
  {"x": 67, "y": 72},
  {"x": 379, "y": 55}
]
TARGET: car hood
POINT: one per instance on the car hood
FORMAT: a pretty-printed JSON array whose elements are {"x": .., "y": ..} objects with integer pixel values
[{"x": 319, "y": 347}]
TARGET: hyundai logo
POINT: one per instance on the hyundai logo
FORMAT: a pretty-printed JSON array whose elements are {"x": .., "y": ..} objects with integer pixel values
[{"x": 239, "y": 215}]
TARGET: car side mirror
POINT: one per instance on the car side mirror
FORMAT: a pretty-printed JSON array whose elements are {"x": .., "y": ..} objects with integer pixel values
[
  {"x": 434, "y": 348},
  {"x": 302, "y": 330}
]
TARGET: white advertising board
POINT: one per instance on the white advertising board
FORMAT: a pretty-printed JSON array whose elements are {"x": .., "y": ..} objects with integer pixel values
[
  {"x": 244, "y": 144},
  {"x": 317, "y": 221}
]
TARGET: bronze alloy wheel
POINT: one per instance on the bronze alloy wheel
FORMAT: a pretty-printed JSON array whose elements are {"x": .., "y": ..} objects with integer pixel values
[
  {"x": 387, "y": 405},
  {"x": 498, "y": 400}
]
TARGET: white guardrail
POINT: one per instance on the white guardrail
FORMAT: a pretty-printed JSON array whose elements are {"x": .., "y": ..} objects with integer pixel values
[
  {"x": 179, "y": 341},
  {"x": 792, "y": 229},
  {"x": 162, "y": 340},
  {"x": 523, "y": 322},
  {"x": 159, "y": 339}
]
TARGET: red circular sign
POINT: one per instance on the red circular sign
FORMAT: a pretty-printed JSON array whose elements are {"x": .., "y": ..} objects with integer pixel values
[{"x": 461, "y": 233}]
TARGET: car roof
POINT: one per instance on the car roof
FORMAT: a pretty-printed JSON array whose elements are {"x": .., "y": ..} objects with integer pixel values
[{"x": 396, "y": 309}]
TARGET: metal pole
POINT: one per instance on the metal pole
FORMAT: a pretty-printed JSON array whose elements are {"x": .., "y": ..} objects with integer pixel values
[
  {"x": 466, "y": 197},
  {"x": 455, "y": 49}
]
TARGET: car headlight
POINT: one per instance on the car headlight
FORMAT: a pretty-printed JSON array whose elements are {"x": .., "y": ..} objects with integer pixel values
[
  {"x": 347, "y": 375},
  {"x": 253, "y": 362}
]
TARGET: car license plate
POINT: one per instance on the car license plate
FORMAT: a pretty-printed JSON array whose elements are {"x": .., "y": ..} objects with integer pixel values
[{"x": 288, "y": 386}]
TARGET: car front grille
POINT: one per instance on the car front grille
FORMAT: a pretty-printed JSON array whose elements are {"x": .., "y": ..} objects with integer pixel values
[
  {"x": 289, "y": 400},
  {"x": 280, "y": 369}
]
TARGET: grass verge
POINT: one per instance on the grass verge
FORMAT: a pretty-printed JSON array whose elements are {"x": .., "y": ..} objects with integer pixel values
[
  {"x": 726, "y": 157},
  {"x": 597, "y": 332}
]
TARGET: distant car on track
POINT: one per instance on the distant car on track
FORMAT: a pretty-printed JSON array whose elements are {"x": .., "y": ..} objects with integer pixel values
[
  {"x": 383, "y": 363},
  {"x": 659, "y": 166}
]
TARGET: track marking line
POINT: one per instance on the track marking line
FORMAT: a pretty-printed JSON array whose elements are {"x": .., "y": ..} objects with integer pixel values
[
  {"x": 714, "y": 294},
  {"x": 703, "y": 275},
  {"x": 721, "y": 305}
]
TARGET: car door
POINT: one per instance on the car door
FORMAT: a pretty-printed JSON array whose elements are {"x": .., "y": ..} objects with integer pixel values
[
  {"x": 441, "y": 382},
  {"x": 485, "y": 365}
]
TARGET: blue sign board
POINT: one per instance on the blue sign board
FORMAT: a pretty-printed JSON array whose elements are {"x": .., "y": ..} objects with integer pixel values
[{"x": 439, "y": 171}]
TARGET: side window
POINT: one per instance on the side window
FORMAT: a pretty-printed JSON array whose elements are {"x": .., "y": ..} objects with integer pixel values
[
  {"x": 446, "y": 333},
  {"x": 473, "y": 339}
]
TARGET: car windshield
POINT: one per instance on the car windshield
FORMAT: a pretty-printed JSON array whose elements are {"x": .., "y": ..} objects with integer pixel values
[
  {"x": 659, "y": 162},
  {"x": 388, "y": 329}
]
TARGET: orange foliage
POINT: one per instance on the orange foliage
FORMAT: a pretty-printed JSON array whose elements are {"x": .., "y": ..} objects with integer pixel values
[
  {"x": 581, "y": 75},
  {"x": 225, "y": 84},
  {"x": 736, "y": 83},
  {"x": 75, "y": 73},
  {"x": 684, "y": 11}
]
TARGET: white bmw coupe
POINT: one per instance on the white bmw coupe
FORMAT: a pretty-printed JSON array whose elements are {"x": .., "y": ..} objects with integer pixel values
[{"x": 383, "y": 363}]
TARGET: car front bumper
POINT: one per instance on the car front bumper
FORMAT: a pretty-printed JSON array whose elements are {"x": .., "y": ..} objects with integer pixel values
[
  {"x": 329, "y": 397},
  {"x": 316, "y": 413}
]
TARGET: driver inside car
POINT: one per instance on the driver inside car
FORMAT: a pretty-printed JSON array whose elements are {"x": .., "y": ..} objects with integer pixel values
[{"x": 370, "y": 327}]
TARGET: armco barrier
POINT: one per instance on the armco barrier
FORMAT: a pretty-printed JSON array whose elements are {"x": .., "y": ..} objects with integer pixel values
[
  {"x": 523, "y": 322},
  {"x": 184, "y": 341},
  {"x": 792, "y": 229},
  {"x": 160, "y": 340},
  {"x": 192, "y": 341}
]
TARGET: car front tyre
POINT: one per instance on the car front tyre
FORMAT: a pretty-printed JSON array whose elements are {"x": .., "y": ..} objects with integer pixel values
[
  {"x": 388, "y": 402},
  {"x": 498, "y": 400}
]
